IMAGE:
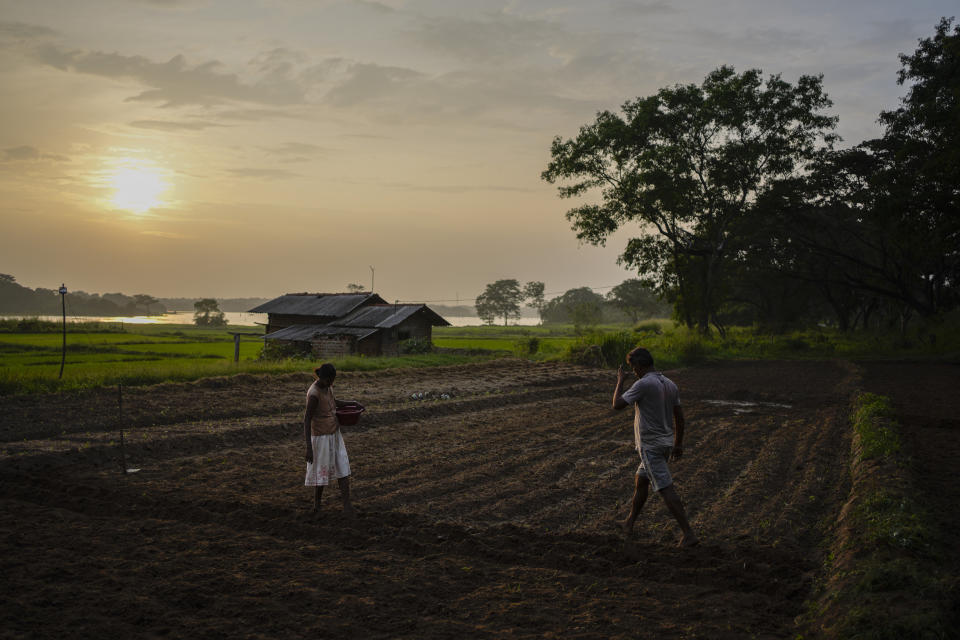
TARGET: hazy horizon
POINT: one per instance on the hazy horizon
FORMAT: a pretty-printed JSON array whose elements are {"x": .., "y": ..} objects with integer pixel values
[{"x": 205, "y": 148}]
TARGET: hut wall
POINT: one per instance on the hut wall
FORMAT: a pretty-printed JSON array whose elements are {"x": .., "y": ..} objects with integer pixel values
[
  {"x": 415, "y": 327},
  {"x": 332, "y": 346},
  {"x": 371, "y": 346},
  {"x": 389, "y": 345}
]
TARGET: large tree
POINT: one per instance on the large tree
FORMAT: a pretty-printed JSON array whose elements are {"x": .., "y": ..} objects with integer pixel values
[
  {"x": 636, "y": 299},
  {"x": 500, "y": 298},
  {"x": 533, "y": 293},
  {"x": 207, "y": 313},
  {"x": 685, "y": 165},
  {"x": 144, "y": 300},
  {"x": 880, "y": 223},
  {"x": 581, "y": 306}
]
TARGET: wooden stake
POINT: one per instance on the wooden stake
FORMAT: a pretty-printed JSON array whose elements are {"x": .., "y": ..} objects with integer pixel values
[{"x": 123, "y": 446}]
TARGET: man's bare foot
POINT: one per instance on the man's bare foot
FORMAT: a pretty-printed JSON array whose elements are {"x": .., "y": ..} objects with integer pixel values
[
  {"x": 627, "y": 527},
  {"x": 689, "y": 540}
]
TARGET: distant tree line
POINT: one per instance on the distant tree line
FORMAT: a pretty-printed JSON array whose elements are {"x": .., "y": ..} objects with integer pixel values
[
  {"x": 630, "y": 301},
  {"x": 238, "y": 305},
  {"x": 747, "y": 213},
  {"x": 18, "y": 299}
]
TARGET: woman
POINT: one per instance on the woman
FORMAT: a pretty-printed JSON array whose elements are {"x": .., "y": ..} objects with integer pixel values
[{"x": 326, "y": 453}]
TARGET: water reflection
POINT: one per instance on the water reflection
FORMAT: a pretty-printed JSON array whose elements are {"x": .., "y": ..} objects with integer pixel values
[{"x": 238, "y": 318}]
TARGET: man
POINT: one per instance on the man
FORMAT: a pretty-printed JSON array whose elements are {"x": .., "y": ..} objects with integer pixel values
[{"x": 656, "y": 403}]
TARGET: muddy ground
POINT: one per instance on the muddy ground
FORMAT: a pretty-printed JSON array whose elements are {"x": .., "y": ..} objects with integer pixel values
[{"x": 487, "y": 506}]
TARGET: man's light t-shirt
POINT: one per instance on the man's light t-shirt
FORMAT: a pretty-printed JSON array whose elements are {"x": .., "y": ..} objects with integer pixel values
[{"x": 653, "y": 398}]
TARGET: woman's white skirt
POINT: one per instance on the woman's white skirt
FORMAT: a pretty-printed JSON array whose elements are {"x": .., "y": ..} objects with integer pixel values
[{"x": 329, "y": 460}]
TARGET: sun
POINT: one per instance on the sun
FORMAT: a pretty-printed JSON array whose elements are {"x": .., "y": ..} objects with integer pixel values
[{"x": 137, "y": 187}]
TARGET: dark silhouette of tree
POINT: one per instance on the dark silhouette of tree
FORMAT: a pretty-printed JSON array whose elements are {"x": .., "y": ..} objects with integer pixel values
[
  {"x": 685, "y": 165},
  {"x": 207, "y": 313},
  {"x": 877, "y": 227},
  {"x": 533, "y": 294},
  {"x": 145, "y": 301},
  {"x": 581, "y": 306},
  {"x": 636, "y": 299},
  {"x": 501, "y": 298}
]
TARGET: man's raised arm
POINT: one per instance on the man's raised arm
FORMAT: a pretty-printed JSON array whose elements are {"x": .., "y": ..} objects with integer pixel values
[{"x": 618, "y": 401}]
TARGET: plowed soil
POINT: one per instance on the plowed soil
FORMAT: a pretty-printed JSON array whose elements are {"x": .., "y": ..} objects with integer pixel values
[{"x": 487, "y": 496}]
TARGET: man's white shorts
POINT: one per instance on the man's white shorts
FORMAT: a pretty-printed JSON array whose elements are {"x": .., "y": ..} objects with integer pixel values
[{"x": 653, "y": 465}]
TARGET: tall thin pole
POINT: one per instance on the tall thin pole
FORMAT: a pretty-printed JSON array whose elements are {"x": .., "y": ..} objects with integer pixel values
[
  {"x": 123, "y": 446},
  {"x": 63, "y": 308},
  {"x": 371, "y": 279}
]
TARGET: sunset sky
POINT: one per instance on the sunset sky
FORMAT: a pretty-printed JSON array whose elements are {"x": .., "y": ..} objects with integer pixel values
[{"x": 256, "y": 147}]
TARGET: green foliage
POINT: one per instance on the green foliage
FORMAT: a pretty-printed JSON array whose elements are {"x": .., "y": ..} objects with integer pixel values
[
  {"x": 29, "y": 363},
  {"x": 649, "y": 327},
  {"x": 581, "y": 306},
  {"x": 637, "y": 299},
  {"x": 898, "y": 557},
  {"x": 533, "y": 292},
  {"x": 527, "y": 347},
  {"x": 686, "y": 165},
  {"x": 207, "y": 314},
  {"x": 501, "y": 298},
  {"x": 416, "y": 345},
  {"x": 284, "y": 350},
  {"x": 894, "y": 520},
  {"x": 873, "y": 421}
]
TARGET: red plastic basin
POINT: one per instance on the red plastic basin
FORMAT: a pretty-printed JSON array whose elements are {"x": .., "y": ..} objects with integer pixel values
[{"x": 349, "y": 414}]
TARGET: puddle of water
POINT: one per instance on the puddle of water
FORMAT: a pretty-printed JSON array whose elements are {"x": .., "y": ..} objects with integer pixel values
[{"x": 746, "y": 406}]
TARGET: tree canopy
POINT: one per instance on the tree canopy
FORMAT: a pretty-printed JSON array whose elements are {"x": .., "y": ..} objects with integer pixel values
[
  {"x": 685, "y": 166},
  {"x": 745, "y": 212},
  {"x": 207, "y": 313},
  {"x": 500, "y": 298}
]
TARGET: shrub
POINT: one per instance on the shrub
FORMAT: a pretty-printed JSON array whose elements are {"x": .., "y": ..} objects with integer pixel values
[
  {"x": 416, "y": 345},
  {"x": 651, "y": 326},
  {"x": 284, "y": 350},
  {"x": 528, "y": 346}
]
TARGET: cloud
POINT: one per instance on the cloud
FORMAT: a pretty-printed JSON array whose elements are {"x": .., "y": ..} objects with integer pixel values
[
  {"x": 24, "y": 152},
  {"x": 378, "y": 7},
  {"x": 169, "y": 235},
  {"x": 165, "y": 125},
  {"x": 252, "y": 115},
  {"x": 645, "y": 9},
  {"x": 368, "y": 82},
  {"x": 267, "y": 174},
  {"x": 175, "y": 82},
  {"x": 295, "y": 152},
  {"x": 753, "y": 40},
  {"x": 496, "y": 37},
  {"x": 27, "y": 153},
  {"x": 455, "y": 188},
  {"x": 24, "y": 31}
]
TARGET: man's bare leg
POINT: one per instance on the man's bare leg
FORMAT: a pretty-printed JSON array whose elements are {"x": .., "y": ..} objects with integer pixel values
[
  {"x": 676, "y": 508},
  {"x": 640, "y": 493},
  {"x": 317, "y": 495},
  {"x": 345, "y": 496}
]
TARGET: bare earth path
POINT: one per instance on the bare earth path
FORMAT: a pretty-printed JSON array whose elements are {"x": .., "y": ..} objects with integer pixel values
[{"x": 486, "y": 513}]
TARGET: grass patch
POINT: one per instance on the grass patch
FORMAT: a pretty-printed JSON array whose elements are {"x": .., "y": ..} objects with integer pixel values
[
  {"x": 149, "y": 354},
  {"x": 885, "y": 577},
  {"x": 873, "y": 422}
]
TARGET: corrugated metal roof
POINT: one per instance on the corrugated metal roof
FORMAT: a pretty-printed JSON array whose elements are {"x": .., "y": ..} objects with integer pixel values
[
  {"x": 298, "y": 332},
  {"x": 308, "y": 332},
  {"x": 385, "y": 316},
  {"x": 329, "y": 305}
]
